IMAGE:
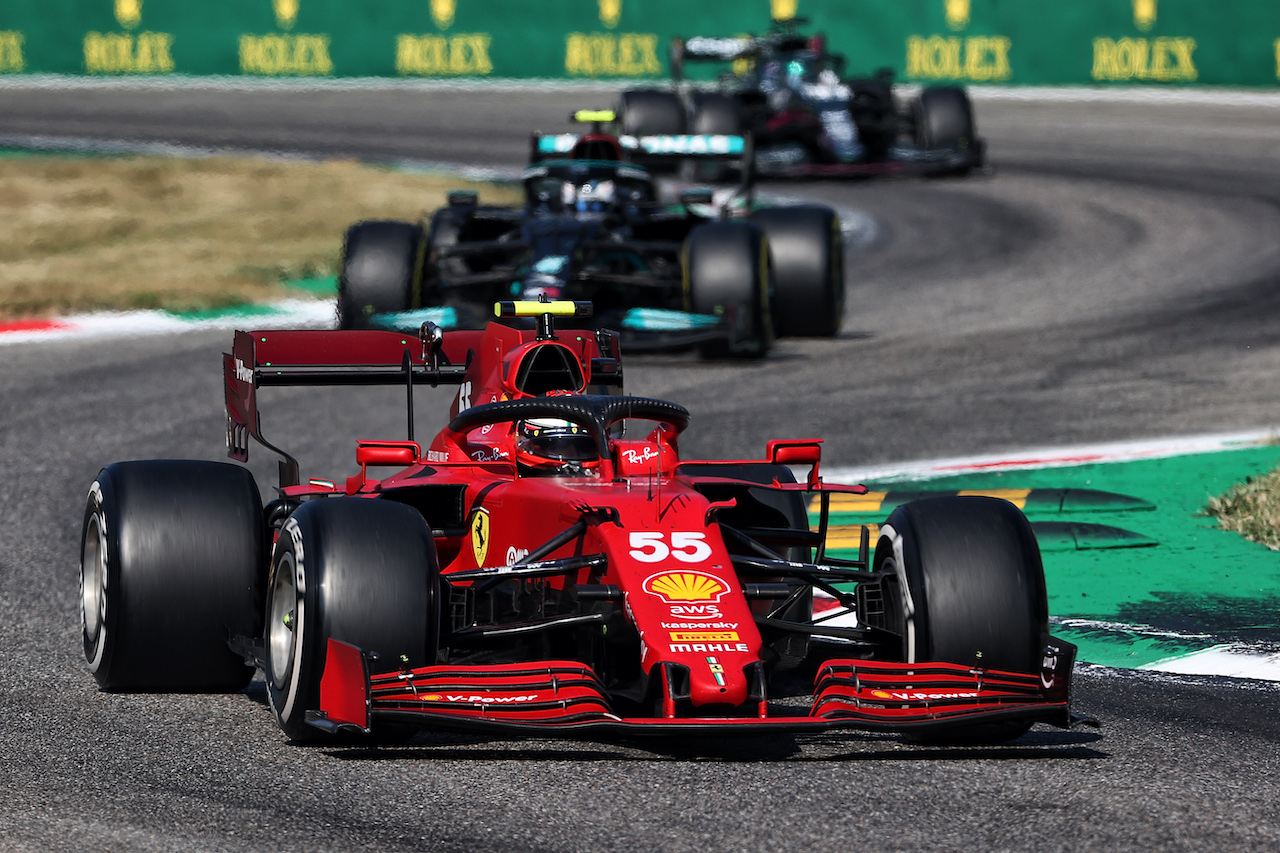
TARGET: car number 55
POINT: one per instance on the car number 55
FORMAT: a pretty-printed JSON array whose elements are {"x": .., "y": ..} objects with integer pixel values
[{"x": 651, "y": 546}]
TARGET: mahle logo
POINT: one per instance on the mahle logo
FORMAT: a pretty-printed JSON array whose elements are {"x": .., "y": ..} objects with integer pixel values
[
  {"x": 129, "y": 13},
  {"x": 286, "y": 13},
  {"x": 610, "y": 12},
  {"x": 957, "y": 14},
  {"x": 1144, "y": 14},
  {"x": 442, "y": 12}
]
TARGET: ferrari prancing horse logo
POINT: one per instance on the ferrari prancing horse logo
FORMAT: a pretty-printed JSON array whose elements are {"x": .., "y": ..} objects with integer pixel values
[{"x": 480, "y": 535}]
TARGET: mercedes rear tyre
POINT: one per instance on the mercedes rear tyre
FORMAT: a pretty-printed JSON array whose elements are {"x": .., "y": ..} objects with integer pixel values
[
  {"x": 172, "y": 565},
  {"x": 381, "y": 272},
  {"x": 362, "y": 571},
  {"x": 726, "y": 268},
  {"x": 944, "y": 121},
  {"x": 713, "y": 114},
  {"x": 967, "y": 584},
  {"x": 807, "y": 249},
  {"x": 650, "y": 112}
]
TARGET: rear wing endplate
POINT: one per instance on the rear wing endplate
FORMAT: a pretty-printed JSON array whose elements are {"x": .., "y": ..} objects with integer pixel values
[{"x": 317, "y": 358}]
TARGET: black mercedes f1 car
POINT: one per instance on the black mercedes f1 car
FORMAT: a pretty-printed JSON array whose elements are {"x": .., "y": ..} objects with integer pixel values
[
  {"x": 808, "y": 118},
  {"x": 713, "y": 270}
]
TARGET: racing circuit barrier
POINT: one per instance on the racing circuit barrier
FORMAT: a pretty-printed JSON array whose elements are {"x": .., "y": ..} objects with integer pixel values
[{"x": 1005, "y": 42}]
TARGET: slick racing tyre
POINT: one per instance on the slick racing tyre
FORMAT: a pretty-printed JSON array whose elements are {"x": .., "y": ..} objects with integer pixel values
[
  {"x": 650, "y": 112},
  {"x": 172, "y": 565},
  {"x": 944, "y": 120},
  {"x": 726, "y": 273},
  {"x": 357, "y": 570},
  {"x": 713, "y": 114},
  {"x": 969, "y": 589},
  {"x": 381, "y": 271},
  {"x": 807, "y": 249}
]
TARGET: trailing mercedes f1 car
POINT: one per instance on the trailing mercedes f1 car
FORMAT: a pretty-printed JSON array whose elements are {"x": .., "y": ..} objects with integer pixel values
[
  {"x": 808, "y": 118},
  {"x": 548, "y": 565},
  {"x": 722, "y": 274}
]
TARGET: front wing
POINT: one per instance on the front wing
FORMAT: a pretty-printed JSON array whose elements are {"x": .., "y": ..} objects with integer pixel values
[{"x": 566, "y": 698}]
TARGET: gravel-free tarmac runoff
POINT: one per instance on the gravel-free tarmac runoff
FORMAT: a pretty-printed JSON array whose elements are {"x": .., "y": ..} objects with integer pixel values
[{"x": 1116, "y": 278}]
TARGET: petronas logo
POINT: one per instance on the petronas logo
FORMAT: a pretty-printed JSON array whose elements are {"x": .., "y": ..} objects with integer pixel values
[
  {"x": 442, "y": 12},
  {"x": 286, "y": 13},
  {"x": 129, "y": 13},
  {"x": 957, "y": 14},
  {"x": 680, "y": 587},
  {"x": 1144, "y": 14}
]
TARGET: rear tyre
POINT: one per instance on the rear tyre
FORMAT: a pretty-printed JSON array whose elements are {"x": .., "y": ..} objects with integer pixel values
[
  {"x": 351, "y": 569},
  {"x": 944, "y": 121},
  {"x": 381, "y": 271},
  {"x": 650, "y": 112},
  {"x": 807, "y": 249},
  {"x": 969, "y": 589},
  {"x": 172, "y": 567},
  {"x": 713, "y": 114},
  {"x": 726, "y": 268}
]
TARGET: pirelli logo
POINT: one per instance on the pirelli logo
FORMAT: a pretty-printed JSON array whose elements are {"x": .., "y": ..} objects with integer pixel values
[{"x": 704, "y": 636}]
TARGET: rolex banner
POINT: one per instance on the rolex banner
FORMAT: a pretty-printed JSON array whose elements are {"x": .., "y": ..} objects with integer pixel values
[{"x": 1003, "y": 42}]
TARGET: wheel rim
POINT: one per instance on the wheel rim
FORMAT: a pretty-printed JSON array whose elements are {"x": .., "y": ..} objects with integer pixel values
[
  {"x": 93, "y": 579},
  {"x": 282, "y": 623}
]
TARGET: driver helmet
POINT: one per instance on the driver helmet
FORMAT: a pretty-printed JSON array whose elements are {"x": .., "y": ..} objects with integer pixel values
[
  {"x": 553, "y": 443},
  {"x": 589, "y": 197}
]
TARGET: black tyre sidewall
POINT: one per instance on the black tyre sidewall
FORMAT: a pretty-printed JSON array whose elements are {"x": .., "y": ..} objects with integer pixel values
[
  {"x": 944, "y": 118},
  {"x": 976, "y": 580},
  {"x": 806, "y": 248},
  {"x": 381, "y": 271},
  {"x": 366, "y": 574},
  {"x": 184, "y": 563},
  {"x": 726, "y": 273},
  {"x": 650, "y": 112}
]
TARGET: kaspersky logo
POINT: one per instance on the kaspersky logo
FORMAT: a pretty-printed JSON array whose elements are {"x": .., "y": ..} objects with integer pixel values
[{"x": 129, "y": 13}]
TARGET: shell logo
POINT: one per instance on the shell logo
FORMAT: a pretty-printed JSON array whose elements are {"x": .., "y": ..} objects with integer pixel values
[
  {"x": 679, "y": 587},
  {"x": 129, "y": 13},
  {"x": 881, "y": 694}
]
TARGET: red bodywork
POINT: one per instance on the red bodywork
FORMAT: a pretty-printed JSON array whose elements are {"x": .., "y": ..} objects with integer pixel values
[{"x": 636, "y": 531}]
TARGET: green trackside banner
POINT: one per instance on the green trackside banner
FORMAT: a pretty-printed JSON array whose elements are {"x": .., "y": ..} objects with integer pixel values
[{"x": 1005, "y": 42}]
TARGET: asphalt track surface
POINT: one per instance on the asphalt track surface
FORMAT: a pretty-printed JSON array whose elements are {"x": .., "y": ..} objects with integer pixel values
[{"x": 1115, "y": 278}]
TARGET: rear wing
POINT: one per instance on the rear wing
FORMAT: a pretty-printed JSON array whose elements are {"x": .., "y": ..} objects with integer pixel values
[
  {"x": 713, "y": 49},
  {"x": 310, "y": 357},
  {"x": 712, "y": 146}
]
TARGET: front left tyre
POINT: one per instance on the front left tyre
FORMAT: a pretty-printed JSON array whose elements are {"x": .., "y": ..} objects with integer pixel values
[
  {"x": 172, "y": 567},
  {"x": 357, "y": 570}
]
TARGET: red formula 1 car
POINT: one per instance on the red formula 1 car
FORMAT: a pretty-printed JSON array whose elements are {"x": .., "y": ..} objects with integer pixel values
[{"x": 548, "y": 564}]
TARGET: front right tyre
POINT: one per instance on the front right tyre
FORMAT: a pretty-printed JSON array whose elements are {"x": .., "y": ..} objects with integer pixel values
[{"x": 362, "y": 571}]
